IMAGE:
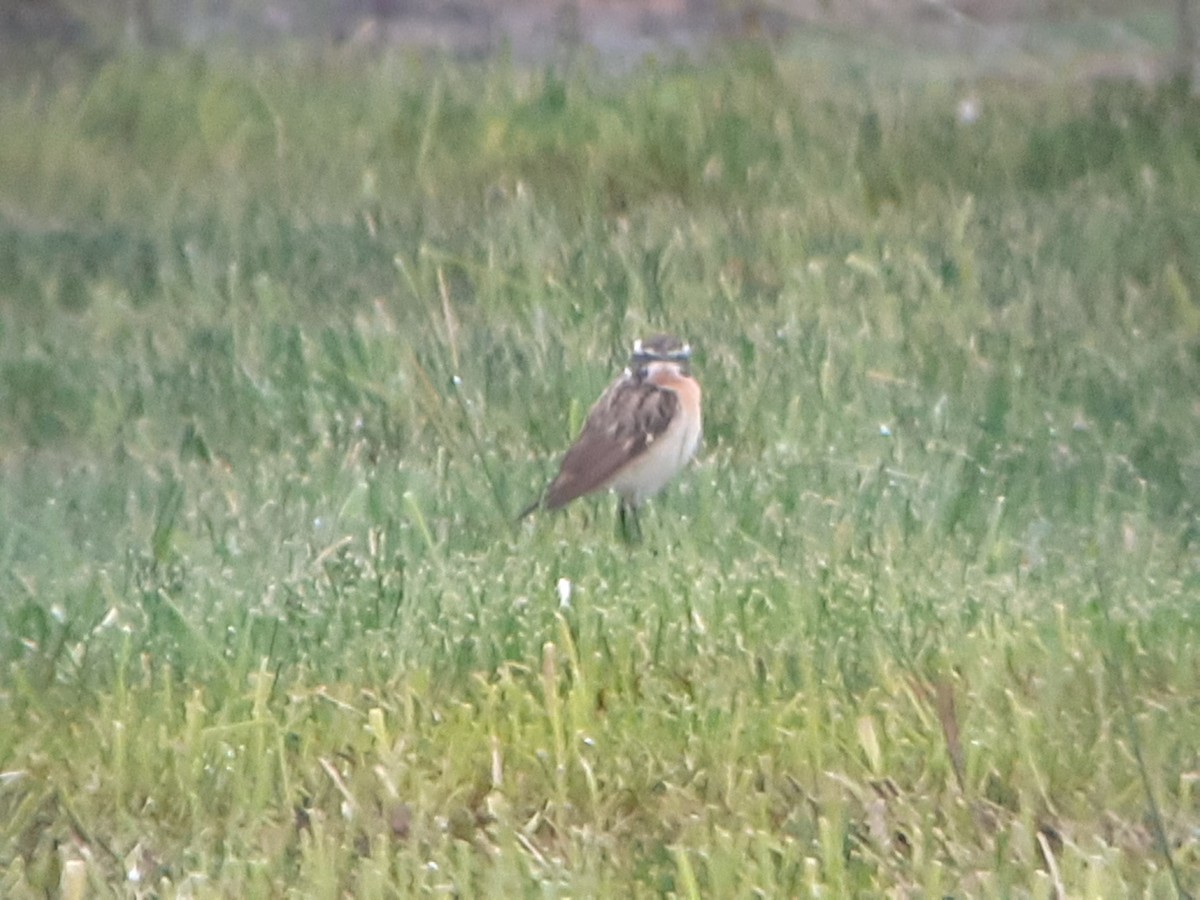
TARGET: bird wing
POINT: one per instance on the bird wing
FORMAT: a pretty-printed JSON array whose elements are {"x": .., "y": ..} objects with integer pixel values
[{"x": 623, "y": 423}]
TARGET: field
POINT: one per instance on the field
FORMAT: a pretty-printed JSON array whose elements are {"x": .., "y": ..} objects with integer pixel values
[{"x": 287, "y": 341}]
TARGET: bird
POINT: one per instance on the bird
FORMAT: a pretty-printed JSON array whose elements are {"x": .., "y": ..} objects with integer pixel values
[{"x": 638, "y": 436}]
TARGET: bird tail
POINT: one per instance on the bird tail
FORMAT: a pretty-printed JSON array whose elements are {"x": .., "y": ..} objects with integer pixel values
[{"x": 532, "y": 507}]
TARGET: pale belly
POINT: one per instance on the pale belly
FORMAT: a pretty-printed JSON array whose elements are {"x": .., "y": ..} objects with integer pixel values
[{"x": 660, "y": 462}]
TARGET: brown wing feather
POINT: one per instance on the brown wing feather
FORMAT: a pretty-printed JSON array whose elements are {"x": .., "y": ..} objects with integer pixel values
[{"x": 622, "y": 424}]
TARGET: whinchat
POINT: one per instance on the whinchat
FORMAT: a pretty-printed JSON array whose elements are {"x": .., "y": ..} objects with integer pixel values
[{"x": 640, "y": 433}]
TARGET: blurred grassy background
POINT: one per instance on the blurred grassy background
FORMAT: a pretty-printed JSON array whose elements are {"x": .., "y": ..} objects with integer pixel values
[{"x": 286, "y": 339}]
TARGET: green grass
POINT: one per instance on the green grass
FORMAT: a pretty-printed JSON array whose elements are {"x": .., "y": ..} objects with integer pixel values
[{"x": 285, "y": 343}]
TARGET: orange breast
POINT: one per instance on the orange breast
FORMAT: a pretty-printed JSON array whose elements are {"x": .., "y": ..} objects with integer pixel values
[{"x": 686, "y": 387}]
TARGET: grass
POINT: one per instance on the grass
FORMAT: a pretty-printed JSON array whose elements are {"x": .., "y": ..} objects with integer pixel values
[{"x": 286, "y": 342}]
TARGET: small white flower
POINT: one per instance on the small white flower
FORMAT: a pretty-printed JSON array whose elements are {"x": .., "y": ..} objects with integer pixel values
[
  {"x": 564, "y": 592},
  {"x": 968, "y": 111}
]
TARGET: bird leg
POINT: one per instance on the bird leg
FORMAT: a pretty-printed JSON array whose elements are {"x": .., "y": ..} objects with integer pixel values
[{"x": 631, "y": 527}]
